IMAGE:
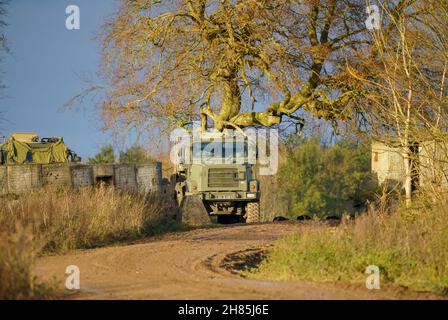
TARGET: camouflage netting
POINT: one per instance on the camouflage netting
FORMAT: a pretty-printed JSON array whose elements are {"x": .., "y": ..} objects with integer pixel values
[{"x": 36, "y": 152}]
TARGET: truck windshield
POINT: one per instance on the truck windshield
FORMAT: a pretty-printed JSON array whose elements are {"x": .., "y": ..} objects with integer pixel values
[{"x": 209, "y": 149}]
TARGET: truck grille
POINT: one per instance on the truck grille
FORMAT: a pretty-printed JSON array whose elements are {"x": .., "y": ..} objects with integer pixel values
[{"x": 222, "y": 177}]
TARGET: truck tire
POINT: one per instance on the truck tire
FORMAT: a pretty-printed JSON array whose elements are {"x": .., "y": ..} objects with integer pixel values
[{"x": 253, "y": 212}]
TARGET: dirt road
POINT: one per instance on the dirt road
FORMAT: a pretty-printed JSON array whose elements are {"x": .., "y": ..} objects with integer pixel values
[{"x": 193, "y": 265}]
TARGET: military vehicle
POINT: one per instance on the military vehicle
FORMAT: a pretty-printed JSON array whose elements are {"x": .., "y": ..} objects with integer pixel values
[
  {"x": 27, "y": 148},
  {"x": 214, "y": 178}
]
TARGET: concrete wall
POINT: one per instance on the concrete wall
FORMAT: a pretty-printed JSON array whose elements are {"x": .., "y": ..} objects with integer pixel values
[
  {"x": 142, "y": 178},
  {"x": 23, "y": 178},
  {"x": 149, "y": 178},
  {"x": 82, "y": 176},
  {"x": 387, "y": 164},
  {"x": 3, "y": 180},
  {"x": 433, "y": 158},
  {"x": 432, "y": 165},
  {"x": 56, "y": 174}
]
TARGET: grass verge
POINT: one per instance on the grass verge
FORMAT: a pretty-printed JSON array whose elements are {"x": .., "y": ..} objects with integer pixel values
[{"x": 410, "y": 247}]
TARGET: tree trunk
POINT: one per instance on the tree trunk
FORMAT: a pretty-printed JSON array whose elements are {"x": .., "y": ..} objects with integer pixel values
[
  {"x": 408, "y": 176},
  {"x": 231, "y": 103}
]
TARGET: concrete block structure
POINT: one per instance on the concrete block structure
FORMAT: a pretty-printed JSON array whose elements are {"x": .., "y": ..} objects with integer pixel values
[
  {"x": 430, "y": 164},
  {"x": 21, "y": 178},
  {"x": 387, "y": 163}
]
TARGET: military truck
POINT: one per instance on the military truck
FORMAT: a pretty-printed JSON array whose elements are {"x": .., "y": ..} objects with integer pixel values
[
  {"x": 23, "y": 148},
  {"x": 214, "y": 178}
]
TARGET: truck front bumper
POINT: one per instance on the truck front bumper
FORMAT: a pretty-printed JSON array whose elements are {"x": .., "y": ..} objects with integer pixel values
[{"x": 230, "y": 196}]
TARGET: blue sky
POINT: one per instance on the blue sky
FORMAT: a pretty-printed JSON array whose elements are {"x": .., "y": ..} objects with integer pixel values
[{"x": 47, "y": 67}]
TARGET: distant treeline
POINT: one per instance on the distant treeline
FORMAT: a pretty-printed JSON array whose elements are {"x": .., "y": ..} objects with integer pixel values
[{"x": 133, "y": 154}]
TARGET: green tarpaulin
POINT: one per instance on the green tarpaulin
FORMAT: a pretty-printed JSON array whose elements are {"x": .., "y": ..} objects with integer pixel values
[{"x": 36, "y": 152}]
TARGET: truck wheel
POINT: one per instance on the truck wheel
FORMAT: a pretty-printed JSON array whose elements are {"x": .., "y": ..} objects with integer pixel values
[{"x": 253, "y": 212}]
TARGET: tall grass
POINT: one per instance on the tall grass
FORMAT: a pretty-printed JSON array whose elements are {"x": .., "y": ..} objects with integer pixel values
[
  {"x": 63, "y": 219},
  {"x": 17, "y": 253},
  {"x": 409, "y": 246},
  {"x": 57, "y": 220}
]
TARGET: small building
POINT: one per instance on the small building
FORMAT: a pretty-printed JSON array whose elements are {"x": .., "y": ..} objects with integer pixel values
[
  {"x": 387, "y": 163},
  {"x": 429, "y": 164}
]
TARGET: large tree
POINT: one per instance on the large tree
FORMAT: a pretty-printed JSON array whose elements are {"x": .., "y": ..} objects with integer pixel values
[{"x": 231, "y": 63}]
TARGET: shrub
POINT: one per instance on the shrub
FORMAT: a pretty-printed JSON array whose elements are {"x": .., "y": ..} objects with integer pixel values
[
  {"x": 326, "y": 181},
  {"x": 410, "y": 247}
]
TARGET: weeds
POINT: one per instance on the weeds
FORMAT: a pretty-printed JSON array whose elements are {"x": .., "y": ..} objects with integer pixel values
[
  {"x": 17, "y": 253},
  {"x": 58, "y": 220},
  {"x": 410, "y": 247}
]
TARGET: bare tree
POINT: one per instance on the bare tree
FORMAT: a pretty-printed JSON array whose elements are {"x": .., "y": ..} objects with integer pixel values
[
  {"x": 405, "y": 86},
  {"x": 231, "y": 63}
]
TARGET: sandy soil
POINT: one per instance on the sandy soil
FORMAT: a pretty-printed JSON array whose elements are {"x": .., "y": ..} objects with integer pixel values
[{"x": 198, "y": 264}]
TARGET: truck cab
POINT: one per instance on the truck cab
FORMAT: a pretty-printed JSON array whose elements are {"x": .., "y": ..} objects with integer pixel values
[{"x": 216, "y": 168}]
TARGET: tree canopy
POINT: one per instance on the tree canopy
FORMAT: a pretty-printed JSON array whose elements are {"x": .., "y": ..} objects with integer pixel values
[
  {"x": 231, "y": 63},
  {"x": 134, "y": 154},
  {"x": 105, "y": 155}
]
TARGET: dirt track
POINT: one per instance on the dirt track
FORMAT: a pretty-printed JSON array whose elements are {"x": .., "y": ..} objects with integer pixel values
[{"x": 191, "y": 265}]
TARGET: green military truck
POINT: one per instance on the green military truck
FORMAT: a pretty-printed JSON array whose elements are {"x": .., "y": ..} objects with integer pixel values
[
  {"x": 215, "y": 178},
  {"x": 22, "y": 148}
]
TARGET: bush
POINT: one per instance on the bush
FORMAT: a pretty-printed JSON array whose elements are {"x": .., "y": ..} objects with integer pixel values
[{"x": 326, "y": 181}]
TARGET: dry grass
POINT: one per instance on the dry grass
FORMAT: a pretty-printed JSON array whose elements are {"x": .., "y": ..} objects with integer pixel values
[
  {"x": 410, "y": 247},
  {"x": 17, "y": 253},
  {"x": 63, "y": 219},
  {"x": 57, "y": 220}
]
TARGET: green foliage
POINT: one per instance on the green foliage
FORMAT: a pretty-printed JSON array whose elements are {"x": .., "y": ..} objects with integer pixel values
[
  {"x": 135, "y": 154},
  {"x": 105, "y": 155},
  {"x": 326, "y": 181},
  {"x": 411, "y": 252}
]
